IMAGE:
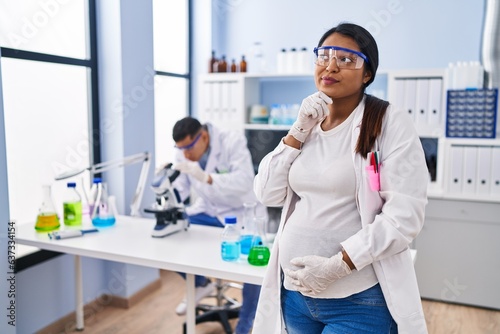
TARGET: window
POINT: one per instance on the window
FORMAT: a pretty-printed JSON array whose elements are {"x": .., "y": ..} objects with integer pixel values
[
  {"x": 49, "y": 87},
  {"x": 171, "y": 28}
]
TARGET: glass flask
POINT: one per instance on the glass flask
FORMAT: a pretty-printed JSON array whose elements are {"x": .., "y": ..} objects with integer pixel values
[
  {"x": 47, "y": 219},
  {"x": 248, "y": 227},
  {"x": 102, "y": 214},
  {"x": 259, "y": 251}
]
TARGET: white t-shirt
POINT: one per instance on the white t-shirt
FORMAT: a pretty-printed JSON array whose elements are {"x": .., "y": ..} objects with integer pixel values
[{"x": 326, "y": 213}]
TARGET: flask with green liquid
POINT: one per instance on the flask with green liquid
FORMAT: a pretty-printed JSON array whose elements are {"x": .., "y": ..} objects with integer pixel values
[
  {"x": 259, "y": 251},
  {"x": 47, "y": 219}
]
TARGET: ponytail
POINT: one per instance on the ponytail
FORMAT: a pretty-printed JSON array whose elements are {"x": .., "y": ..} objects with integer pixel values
[{"x": 371, "y": 125}]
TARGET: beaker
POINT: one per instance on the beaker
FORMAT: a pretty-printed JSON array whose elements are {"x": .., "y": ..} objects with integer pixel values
[
  {"x": 248, "y": 227},
  {"x": 259, "y": 251},
  {"x": 103, "y": 214},
  {"x": 47, "y": 219}
]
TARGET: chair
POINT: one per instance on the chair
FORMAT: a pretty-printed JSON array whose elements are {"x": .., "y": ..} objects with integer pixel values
[{"x": 225, "y": 308}]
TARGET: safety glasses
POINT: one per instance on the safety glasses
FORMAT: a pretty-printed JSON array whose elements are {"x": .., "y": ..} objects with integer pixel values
[
  {"x": 345, "y": 58},
  {"x": 189, "y": 146}
]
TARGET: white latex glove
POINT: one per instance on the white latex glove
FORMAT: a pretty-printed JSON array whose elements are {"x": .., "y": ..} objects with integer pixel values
[
  {"x": 316, "y": 273},
  {"x": 312, "y": 110},
  {"x": 192, "y": 168}
]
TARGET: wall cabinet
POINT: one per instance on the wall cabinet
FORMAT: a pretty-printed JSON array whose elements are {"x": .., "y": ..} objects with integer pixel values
[{"x": 458, "y": 252}]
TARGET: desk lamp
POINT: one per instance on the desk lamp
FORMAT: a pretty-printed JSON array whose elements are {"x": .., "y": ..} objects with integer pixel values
[{"x": 101, "y": 167}]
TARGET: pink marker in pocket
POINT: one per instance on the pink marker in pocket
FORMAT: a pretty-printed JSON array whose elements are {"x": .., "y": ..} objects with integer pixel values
[{"x": 373, "y": 172}]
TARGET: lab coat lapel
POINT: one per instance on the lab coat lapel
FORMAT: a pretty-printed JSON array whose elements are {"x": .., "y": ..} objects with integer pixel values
[{"x": 215, "y": 149}]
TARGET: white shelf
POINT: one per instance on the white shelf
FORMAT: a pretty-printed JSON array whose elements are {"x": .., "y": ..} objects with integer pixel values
[
  {"x": 218, "y": 76},
  {"x": 249, "y": 126}
]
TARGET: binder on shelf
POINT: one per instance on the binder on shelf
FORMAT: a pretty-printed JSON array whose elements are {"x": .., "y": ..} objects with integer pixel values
[
  {"x": 434, "y": 111},
  {"x": 216, "y": 98},
  {"x": 483, "y": 170},
  {"x": 469, "y": 169},
  {"x": 410, "y": 96},
  {"x": 422, "y": 102},
  {"x": 224, "y": 93},
  {"x": 495, "y": 171},
  {"x": 456, "y": 167},
  {"x": 399, "y": 96}
]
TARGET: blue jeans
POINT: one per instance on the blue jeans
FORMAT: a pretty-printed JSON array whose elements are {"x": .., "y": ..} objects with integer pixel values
[
  {"x": 250, "y": 292},
  {"x": 363, "y": 312}
]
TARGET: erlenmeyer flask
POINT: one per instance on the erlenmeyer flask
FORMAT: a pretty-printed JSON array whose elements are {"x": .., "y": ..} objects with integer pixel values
[
  {"x": 248, "y": 227},
  {"x": 47, "y": 219},
  {"x": 259, "y": 251},
  {"x": 103, "y": 214}
]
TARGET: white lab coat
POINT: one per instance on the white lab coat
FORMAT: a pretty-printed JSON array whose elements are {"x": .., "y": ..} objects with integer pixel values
[
  {"x": 230, "y": 166},
  {"x": 391, "y": 219}
]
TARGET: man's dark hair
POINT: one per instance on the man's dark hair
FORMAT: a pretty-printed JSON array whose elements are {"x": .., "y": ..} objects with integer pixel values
[{"x": 188, "y": 126}]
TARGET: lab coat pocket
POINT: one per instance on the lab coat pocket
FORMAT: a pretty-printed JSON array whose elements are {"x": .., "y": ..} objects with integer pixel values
[
  {"x": 370, "y": 191},
  {"x": 373, "y": 178}
]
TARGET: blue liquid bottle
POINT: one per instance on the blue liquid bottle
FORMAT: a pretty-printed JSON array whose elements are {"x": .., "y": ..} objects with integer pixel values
[{"x": 230, "y": 245}]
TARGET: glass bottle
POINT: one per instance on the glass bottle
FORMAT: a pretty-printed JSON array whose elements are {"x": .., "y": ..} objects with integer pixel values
[
  {"x": 72, "y": 206},
  {"x": 222, "y": 66},
  {"x": 93, "y": 194},
  {"x": 259, "y": 251},
  {"x": 233, "y": 66},
  {"x": 102, "y": 215},
  {"x": 213, "y": 61},
  {"x": 247, "y": 228},
  {"x": 47, "y": 219},
  {"x": 243, "y": 64},
  {"x": 230, "y": 245}
]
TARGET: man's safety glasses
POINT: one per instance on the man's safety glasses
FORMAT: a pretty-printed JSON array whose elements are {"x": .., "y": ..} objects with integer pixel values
[
  {"x": 191, "y": 145},
  {"x": 345, "y": 58}
]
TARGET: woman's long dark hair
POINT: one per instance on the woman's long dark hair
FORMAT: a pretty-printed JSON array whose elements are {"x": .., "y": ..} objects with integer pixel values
[{"x": 375, "y": 108}]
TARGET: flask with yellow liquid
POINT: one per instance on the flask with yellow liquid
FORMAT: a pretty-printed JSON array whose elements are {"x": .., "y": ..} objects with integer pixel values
[{"x": 47, "y": 219}]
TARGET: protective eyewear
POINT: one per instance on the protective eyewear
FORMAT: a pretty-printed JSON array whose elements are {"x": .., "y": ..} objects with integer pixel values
[
  {"x": 191, "y": 145},
  {"x": 345, "y": 58}
]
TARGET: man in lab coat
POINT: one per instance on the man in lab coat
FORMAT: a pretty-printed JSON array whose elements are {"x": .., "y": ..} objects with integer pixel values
[{"x": 216, "y": 170}]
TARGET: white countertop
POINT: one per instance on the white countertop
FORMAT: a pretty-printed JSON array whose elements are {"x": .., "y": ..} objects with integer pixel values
[{"x": 196, "y": 251}]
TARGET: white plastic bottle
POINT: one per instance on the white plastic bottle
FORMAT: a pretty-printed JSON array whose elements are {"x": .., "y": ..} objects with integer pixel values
[
  {"x": 304, "y": 63},
  {"x": 281, "y": 59},
  {"x": 230, "y": 244},
  {"x": 291, "y": 61}
]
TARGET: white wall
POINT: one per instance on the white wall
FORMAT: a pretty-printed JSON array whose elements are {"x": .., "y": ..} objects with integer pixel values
[{"x": 409, "y": 33}]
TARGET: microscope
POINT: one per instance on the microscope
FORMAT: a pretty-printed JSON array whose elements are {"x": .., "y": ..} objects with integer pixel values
[{"x": 168, "y": 207}]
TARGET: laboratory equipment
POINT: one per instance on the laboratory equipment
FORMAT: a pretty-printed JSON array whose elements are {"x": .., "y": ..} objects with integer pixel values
[
  {"x": 230, "y": 244},
  {"x": 259, "y": 251},
  {"x": 168, "y": 207},
  {"x": 247, "y": 229},
  {"x": 47, "y": 219},
  {"x": 258, "y": 114},
  {"x": 103, "y": 214},
  {"x": 212, "y": 62},
  {"x": 144, "y": 157},
  {"x": 58, "y": 235},
  {"x": 72, "y": 206},
  {"x": 243, "y": 65}
]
